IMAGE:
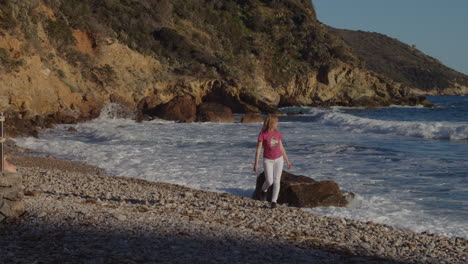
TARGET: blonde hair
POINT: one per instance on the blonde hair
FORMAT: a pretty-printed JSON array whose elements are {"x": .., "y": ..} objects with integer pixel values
[{"x": 269, "y": 122}]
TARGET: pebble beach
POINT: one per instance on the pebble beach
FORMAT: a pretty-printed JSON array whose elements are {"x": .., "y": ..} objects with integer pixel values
[{"x": 75, "y": 213}]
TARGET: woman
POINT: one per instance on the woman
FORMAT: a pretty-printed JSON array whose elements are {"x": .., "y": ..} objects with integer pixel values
[{"x": 274, "y": 155}]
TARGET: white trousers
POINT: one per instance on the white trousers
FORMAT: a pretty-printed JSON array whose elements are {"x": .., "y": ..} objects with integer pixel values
[{"x": 273, "y": 169}]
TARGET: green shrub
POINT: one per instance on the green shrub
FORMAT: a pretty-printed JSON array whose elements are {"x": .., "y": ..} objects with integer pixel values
[
  {"x": 204, "y": 38},
  {"x": 60, "y": 34},
  {"x": 104, "y": 75},
  {"x": 7, "y": 20},
  {"x": 7, "y": 63},
  {"x": 61, "y": 73},
  {"x": 79, "y": 59}
]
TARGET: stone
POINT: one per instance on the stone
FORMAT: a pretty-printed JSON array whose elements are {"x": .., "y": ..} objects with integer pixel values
[
  {"x": 16, "y": 126},
  {"x": 5, "y": 209},
  {"x": 146, "y": 108},
  {"x": 66, "y": 116},
  {"x": 10, "y": 179},
  {"x": 252, "y": 118},
  {"x": 11, "y": 195},
  {"x": 90, "y": 106},
  {"x": 294, "y": 113},
  {"x": 120, "y": 217},
  {"x": 302, "y": 191},
  {"x": 42, "y": 214},
  {"x": 72, "y": 129},
  {"x": 213, "y": 112},
  {"x": 181, "y": 108}
]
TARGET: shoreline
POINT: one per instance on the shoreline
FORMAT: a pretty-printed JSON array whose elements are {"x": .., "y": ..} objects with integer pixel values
[{"x": 64, "y": 195}]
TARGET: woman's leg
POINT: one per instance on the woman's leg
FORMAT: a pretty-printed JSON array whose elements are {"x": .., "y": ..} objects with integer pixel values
[
  {"x": 277, "y": 171},
  {"x": 268, "y": 165}
]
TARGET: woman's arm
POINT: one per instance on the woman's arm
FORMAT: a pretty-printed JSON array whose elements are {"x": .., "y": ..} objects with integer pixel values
[
  {"x": 257, "y": 155},
  {"x": 283, "y": 151}
]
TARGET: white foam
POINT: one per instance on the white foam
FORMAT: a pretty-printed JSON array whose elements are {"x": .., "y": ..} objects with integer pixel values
[
  {"x": 117, "y": 111},
  {"x": 429, "y": 130},
  {"x": 406, "y": 106}
]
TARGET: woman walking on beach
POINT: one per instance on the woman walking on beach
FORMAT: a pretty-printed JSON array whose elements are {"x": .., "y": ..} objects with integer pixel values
[{"x": 274, "y": 155}]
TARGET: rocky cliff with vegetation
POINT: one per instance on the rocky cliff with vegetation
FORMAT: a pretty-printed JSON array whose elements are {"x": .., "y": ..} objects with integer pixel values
[
  {"x": 63, "y": 60},
  {"x": 404, "y": 63}
]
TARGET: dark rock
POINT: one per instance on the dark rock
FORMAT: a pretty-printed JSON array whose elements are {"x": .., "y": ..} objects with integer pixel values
[
  {"x": 32, "y": 193},
  {"x": 72, "y": 129},
  {"x": 370, "y": 102},
  {"x": 17, "y": 127},
  {"x": 302, "y": 191},
  {"x": 146, "y": 108},
  {"x": 294, "y": 113},
  {"x": 252, "y": 118},
  {"x": 66, "y": 116},
  {"x": 181, "y": 108},
  {"x": 90, "y": 107},
  {"x": 422, "y": 100},
  {"x": 415, "y": 100},
  {"x": 140, "y": 118},
  {"x": 213, "y": 112}
]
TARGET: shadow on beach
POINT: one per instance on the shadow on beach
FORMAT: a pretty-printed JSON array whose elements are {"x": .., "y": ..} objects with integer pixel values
[{"x": 44, "y": 242}]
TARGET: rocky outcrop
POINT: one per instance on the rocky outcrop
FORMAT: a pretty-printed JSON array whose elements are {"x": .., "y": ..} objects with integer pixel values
[
  {"x": 182, "y": 109},
  {"x": 11, "y": 195},
  {"x": 216, "y": 113},
  {"x": 343, "y": 85},
  {"x": 404, "y": 63},
  {"x": 252, "y": 118},
  {"x": 302, "y": 191}
]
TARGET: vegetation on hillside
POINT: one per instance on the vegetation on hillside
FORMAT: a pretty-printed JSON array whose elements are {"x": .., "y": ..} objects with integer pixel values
[
  {"x": 401, "y": 62},
  {"x": 230, "y": 39}
]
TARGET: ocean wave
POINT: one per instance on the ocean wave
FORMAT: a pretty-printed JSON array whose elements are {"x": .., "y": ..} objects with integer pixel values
[
  {"x": 429, "y": 130},
  {"x": 116, "y": 111}
]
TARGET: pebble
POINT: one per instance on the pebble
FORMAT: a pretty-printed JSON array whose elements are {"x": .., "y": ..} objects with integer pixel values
[
  {"x": 120, "y": 217},
  {"x": 42, "y": 214}
]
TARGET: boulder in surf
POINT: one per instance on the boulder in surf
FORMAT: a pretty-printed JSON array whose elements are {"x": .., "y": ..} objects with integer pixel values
[{"x": 302, "y": 191}]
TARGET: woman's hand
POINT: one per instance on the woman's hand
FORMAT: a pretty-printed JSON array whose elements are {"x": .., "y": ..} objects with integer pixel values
[
  {"x": 255, "y": 167},
  {"x": 288, "y": 164}
]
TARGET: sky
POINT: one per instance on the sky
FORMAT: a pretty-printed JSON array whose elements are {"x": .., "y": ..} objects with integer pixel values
[{"x": 437, "y": 28}]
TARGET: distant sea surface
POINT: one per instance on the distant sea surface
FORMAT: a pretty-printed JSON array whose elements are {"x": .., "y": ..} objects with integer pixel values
[{"x": 407, "y": 165}]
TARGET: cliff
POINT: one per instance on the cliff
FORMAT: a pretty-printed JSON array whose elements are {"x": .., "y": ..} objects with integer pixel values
[
  {"x": 404, "y": 63},
  {"x": 63, "y": 60}
]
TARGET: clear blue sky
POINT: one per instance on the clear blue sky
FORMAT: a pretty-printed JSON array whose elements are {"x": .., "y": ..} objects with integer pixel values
[{"x": 437, "y": 28}]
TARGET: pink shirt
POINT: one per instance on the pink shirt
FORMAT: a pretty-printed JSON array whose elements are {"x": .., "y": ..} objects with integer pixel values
[{"x": 271, "y": 144}]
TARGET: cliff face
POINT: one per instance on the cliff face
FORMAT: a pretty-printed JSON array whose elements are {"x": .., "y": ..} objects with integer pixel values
[
  {"x": 64, "y": 60},
  {"x": 404, "y": 63}
]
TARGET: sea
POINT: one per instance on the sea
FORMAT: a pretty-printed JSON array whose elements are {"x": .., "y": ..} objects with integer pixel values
[{"x": 408, "y": 166}]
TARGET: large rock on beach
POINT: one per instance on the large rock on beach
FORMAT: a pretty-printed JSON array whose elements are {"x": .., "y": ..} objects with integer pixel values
[
  {"x": 252, "y": 118},
  {"x": 302, "y": 191},
  {"x": 213, "y": 112},
  {"x": 181, "y": 108},
  {"x": 146, "y": 108},
  {"x": 11, "y": 196}
]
